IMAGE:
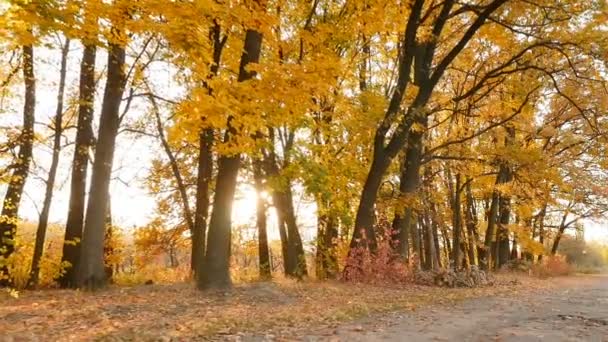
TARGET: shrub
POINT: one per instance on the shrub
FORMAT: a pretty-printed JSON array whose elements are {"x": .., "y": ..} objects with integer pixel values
[
  {"x": 20, "y": 261},
  {"x": 381, "y": 266},
  {"x": 552, "y": 266}
]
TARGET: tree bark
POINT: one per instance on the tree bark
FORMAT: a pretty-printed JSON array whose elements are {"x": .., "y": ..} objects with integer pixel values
[
  {"x": 205, "y": 164},
  {"x": 261, "y": 222},
  {"x": 456, "y": 223},
  {"x": 108, "y": 244},
  {"x": 327, "y": 235},
  {"x": 490, "y": 237},
  {"x": 471, "y": 222},
  {"x": 91, "y": 270},
  {"x": 408, "y": 185},
  {"x": 204, "y": 175},
  {"x": 21, "y": 167},
  {"x": 80, "y": 163},
  {"x": 560, "y": 231},
  {"x": 215, "y": 271},
  {"x": 43, "y": 219},
  {"x": 174, "y": 165}
]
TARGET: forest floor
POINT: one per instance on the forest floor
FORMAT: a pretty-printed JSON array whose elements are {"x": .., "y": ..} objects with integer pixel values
[{"x": 286, "y": 310}]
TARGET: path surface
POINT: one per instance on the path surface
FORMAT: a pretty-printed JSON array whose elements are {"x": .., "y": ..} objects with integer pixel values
[{"x": 576, "y": 310}]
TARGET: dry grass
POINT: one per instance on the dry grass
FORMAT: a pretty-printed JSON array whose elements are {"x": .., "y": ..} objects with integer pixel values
[{"x": 180, "y": 312}]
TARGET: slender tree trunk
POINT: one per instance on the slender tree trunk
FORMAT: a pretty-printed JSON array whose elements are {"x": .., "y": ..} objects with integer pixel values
[
  {"x": 456, "y": 223},
  {"x": 21, "y": 166},
  {"x": 471, "y": 218},
  {"x": 295, "y": 258},
  {"x": 282, "y": 231},
  {"x": 503, "y": 231},
  {"x": 490, "y": 237},
  {"x": 91, "y": 270},
  {"x": 80, "y": 163},
  {"x": 541, "y": 228},
  {"x": 181, "y": 186},
  {"x": 261, "y": 222},
  {"x": 435, "y": 229},
  {"x": 215, "y": 267},
  {"x": 429, "y": 244},
  {"x": 327, "y": 235},
  {"x": 447, "y": 244},
  {"x": 514, "y": 253},
  {"x": 43, "y": 220}
]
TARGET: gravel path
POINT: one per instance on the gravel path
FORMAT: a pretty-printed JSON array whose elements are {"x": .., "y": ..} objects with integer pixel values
[{"x": 575, "y": 310}]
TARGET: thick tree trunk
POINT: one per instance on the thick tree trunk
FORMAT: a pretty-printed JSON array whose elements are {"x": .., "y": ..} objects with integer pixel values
[
  {"x": 560, "y": 232},
  {"x": 408, "y": 185},
  {"x": 201, "y": 215},
  {"x": 215, "y": 271},
  {"x": 91, "y": 270},
  {"x": 21, "y": 166},
  {"x": 80, "y": 163},
  {"x": 205, "y": 164},
  {"x": 261, "y": 222},
  {"x": 364, "y": 234},
  {"x": 43, "y": 219}
]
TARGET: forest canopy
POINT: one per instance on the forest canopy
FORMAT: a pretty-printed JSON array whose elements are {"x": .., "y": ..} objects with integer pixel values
[{"x": 422, "y": 134}]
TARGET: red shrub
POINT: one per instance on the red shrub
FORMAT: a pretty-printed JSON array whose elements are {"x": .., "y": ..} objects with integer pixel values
[{"x": 381, "y": 266}]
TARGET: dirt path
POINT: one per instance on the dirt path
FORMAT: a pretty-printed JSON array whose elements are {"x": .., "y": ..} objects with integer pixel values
[{"x": 576, "y": 310}]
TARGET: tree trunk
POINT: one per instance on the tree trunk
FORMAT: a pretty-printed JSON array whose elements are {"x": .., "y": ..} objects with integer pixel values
[
  {"x": 514, "y": 253},
  {"x": 261, "y": 222},
  {"x": 408, "y": 185},
  {"x": 471, "y": 223},
  {"x": 503, "y": 232},
  {"x": 43, "y": 219},
  {"x": 215, "y": 271},
  {"x": 205, "y": 164},
  {"x": 492, "y": 213},
  {"x": 541, "y": 228},
  {"x": 429, "y": 244},
  {"x": 108, "y": 245},
  {"x": 456, "y": 224},
  {"x": 80, "y": 163},
  {"x": 560, "y": 232},
  {"x": 295, "y": 259},
  {"x": 21, "y": 166},
  {"x": 282, "y": 231},
  {"x": 364, "y": 235},
  {"x": 327, "y": 258},
  {"x": 205, "y": 172},
  {"x": 91, "y": 270},
  {"x": 174, "y": 165}
]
